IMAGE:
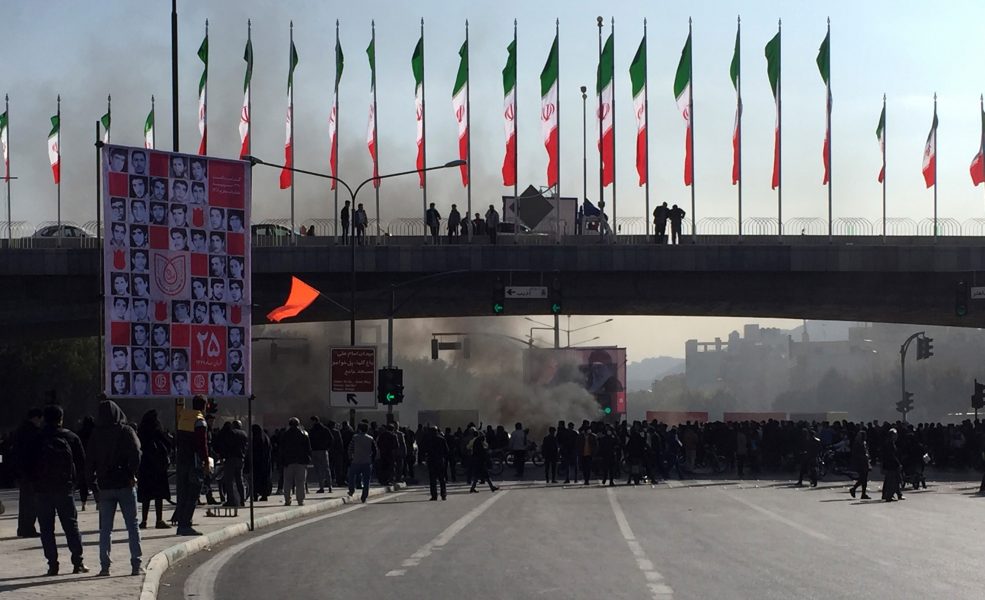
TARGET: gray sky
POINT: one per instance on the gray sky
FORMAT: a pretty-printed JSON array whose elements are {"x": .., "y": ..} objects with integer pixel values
[{"x": 905, "y": 48}]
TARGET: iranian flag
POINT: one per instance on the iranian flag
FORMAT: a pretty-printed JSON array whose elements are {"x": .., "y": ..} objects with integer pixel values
[
  {"x": 637, "y": 75},
  {"x": 773, "y": 72},
  {"x": 105, "y": 120},
  {"x": 371, "y": 133},
  {"x": 548, "y": 113},
  {"x": 977, "y": 165},
  {"x": 930, "y": 153},
  {"x": 333, "y": 118},
  {"x": 4, "y": 147},
  {"x": 286, "y": 174},
  {"x": 509, "y": 114},
  {"x": 682, "y": 92},
  {"x": 244, "y": 115},
  {"x": 417, "y": 65},
  {"x": 54, "y": 152},
  {"x": 149, "y": 127},
  {"x": 824, "y": 66},
  {"x": 881, "y": 136},
  {"x": 735, "y": 73},
  {"x": 603, "y": 85},
  {"x": 203, "y": 87},
  {"x": 460, "y": 103}
]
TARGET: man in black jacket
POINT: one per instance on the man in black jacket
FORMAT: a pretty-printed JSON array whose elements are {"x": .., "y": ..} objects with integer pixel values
[
  {"x": 437, "y": 459},
  {"x": 295, "y": 455},
  {"x": 112, "y": 462},
  {"x": 321, "y": 445},
  {"x": 235, "y": 446},
  {"x": 24, "y": 439},
  {"x": 57, "y": 461}
]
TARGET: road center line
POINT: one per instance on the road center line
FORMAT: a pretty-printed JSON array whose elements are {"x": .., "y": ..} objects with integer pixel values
[
  {"x": 779, "y": 518},
  {"x": 201, "y": 583},
  {"x": 654, "y": 580},
  {"x": 445, "y": 536}
]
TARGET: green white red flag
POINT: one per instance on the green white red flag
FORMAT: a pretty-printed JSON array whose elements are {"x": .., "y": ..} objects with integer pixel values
[
  {"x": 773, "y": 72},
  {"x": 548, "y": 113},
  {"x": 105, "y": 121},
  {"x": 930, "y": 153},
  {"x": 149, "y": 127},
  {"x": 203, "y": 87},
  {"x": 4, "y": 146},
  {"x": 244, "y": 114},
  {"x": 460, "y": 104},
  {"x": 604, "y": 88},
  {"x": 735, "y": 73},
  {"x": 683, "y": 95},
  {"x": 333, "y": 118},
  {"x": 824, "y": 66},
  {"x": 371, "y": 133},
  {"x": 637, "y": 76},
  {"x": 286, "y": 174},
  {"x": 881, "y": 136},
  {"x": 54, "y": 152},
  {"x": 509, "y": 114},
  {"x": 417, "y": 65}
]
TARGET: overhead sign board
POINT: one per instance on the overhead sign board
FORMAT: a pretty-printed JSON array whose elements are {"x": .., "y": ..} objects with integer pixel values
[
  {"x": 353, "y": 377},
  {"x": 523, "y": 292},
  {"x": 978, "y": 293}
]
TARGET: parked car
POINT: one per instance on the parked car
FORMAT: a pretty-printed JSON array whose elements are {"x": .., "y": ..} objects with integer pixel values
[
  {"x": 67, "y": 231},
  {"x": 271, "y": 230},
  {"x": 509, "y": 228}
]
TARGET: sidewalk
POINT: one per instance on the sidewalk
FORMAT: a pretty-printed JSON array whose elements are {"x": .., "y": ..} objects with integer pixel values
[{"x": 23, "y": 566}]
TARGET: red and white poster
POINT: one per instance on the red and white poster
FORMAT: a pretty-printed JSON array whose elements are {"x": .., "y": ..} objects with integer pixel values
[{"x": 177, "y": 265}]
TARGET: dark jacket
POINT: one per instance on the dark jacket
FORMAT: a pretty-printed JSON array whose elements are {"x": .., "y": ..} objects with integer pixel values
[
  {"x": 113, "y": 455},
  {"x": 437, "y": 450},
  {"x": 237, "y": 443},
  {"x": 860, "y": 456},
  {"x": 152, "y": 478},
  {"x": 387, "y": 444},
  {"x": 50, "y": 480},
  {"x": 549, "y": 448},
  {"x": 295, "y": 447},
  {"x": 23, "y": 449}
]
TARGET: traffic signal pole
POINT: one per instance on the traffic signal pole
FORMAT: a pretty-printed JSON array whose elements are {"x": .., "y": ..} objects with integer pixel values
[
  {"x": 389, "y": 342},
  {"x": 902, "y": 367}
]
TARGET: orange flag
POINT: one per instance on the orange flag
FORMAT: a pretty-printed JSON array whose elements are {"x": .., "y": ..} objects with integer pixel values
[{"x": 301, "y": 297}]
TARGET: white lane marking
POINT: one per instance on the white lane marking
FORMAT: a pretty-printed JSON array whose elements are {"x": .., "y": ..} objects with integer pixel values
[
  {"x": 779, "y": 518},
  {"x": 655, "y": 581},
  {"x": 201, "y": 583},
  {"x": 445, "y": 536}
]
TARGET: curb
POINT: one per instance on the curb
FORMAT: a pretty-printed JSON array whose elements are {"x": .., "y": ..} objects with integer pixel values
[{"x": 167, "y": 558}]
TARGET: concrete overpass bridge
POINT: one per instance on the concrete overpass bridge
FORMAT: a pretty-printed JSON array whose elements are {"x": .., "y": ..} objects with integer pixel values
[{"x": 54, "y": 292}]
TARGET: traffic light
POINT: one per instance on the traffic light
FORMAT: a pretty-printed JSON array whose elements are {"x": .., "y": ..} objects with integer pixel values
[
  {"x": 906, "y": 404},
  {"x": 390, "y": 389},
  {"x": 925, "y": 347},
  {"x": 961, "y": 299},
  {"x": 499, "y": 300},
  {"x": 978, "y": 399},
  {"x": 434, "y": 348},
  {"x": 557, "y": 306}
]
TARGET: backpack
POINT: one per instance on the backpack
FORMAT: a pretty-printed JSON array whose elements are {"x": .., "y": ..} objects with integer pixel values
[{"x": 55, "y": 463}]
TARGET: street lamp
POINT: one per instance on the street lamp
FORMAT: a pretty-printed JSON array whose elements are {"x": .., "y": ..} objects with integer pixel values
[
  {"x": 584, "y": 341},
  {"x": 569, "y": 330},
  {"x": 352, "y": 194}
]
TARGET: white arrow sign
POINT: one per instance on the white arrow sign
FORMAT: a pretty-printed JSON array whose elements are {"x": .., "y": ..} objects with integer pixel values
[
  {"x": 526, "y": 291},
  {"x": 978, "y": 293}
]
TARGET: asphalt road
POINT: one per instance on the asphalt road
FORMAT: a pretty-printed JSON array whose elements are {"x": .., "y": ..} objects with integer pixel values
[{"x": 691, "y": 539}]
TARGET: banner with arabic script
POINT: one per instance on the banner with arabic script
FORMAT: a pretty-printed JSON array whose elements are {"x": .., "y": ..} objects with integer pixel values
[{"x": 177, "y": 262}]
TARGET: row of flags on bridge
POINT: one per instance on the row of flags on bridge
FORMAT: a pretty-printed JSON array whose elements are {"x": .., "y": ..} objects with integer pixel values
[{"x": 550, "y": 108}]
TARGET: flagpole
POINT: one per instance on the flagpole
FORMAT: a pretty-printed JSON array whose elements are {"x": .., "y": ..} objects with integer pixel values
[
  {"x": 779, "y": 131},
  {"x": 174, "y": 75},
  {"x": 109, "y": 111},
  {"x": 615, "y": 227},
  {"x": 830, "y": 169},
  {"x": 884, "y": 174},
  {"x": 738, "y": 111},
  {"x": 690, "y": 112},
  {"x": 376, "y": 150},
  {"x": 58, "y": 149},
  {"x": 335, "y": 142},
  {"x": 981, "y": 103},
  {"x": 153, "y": 131},
  {"x": 557, "y": 202},
  {"x": 646, "y": 131},
  {"x": 205, "y": 105},
  {"x": 468, "y": 128},
  {"x": 516, "y": 146},
  {"x": 935, "y": 166},
  {"x": 249, "y": 93},
  {"x": 101, "y": 280},
  {"x": 598, "y": 118},
  {"x": 290, "y": 68},
  {"x": 424, "y": 135},
  {"x": 10, "y": 223}
]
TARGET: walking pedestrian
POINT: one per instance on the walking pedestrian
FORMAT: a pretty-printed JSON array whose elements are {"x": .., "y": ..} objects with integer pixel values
[
  {"x": 23, "y": 450},
  {"x": 152, "y": 477},
  {"x": 362, "y": 455},
  {"x": 191, "y": 463},
  {"x": 260, "y": 456},
  {"x": 518, "y": 448},
  {"x": 433, "y": 221},
  {"x": 891, "y": 486},
  {"x": 860, "y": 463},
  {"x": 454, "y": 219},
  {"x": 676, "y": 216},
  {"x": 295, "y": 452},
  {"x": 236, "y": 445},
  {"x": 480, "y": 463},
  {"x": 54, "y": 465},
  {"x": 492, "y": 224},
  {"x": 549, "y": 450},
  {"x": 810, "y": 449},
  {"x": 344, "y": 222},
  {"x": 437, "y": 458},
  {"x": 112, "y": 464},
  {"x": 660, "y": 216},
  {"x": 321, "y": 444},
  {"x": 386, "y": 441}
]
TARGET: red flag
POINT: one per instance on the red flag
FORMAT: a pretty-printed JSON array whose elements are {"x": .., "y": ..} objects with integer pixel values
[
  {"x": 978, "y": 164},
  {"x": 301, "y": 297}
]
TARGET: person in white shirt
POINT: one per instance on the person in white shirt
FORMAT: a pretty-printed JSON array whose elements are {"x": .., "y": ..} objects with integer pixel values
[{"x": 518, "y": 447}]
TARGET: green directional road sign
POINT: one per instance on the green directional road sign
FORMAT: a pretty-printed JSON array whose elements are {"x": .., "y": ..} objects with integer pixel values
[{"x": 555, "y": 308}]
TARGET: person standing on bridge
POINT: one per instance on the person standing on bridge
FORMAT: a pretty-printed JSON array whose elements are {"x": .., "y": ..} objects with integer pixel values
[
  {"x": 676, "y": 216},
  {"x": 360, "y": 222},
  {"x": 454, "y": 220},
  {"x": 660, "y": 215},
  {"x": 344, "y": 222},
  {"x": 492, "y": 224},
  {"x": 433, "y": 221}
]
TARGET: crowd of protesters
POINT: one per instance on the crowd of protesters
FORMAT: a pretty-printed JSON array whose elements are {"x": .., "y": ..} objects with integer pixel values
[{"x": 121, "y": 463}]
